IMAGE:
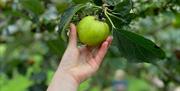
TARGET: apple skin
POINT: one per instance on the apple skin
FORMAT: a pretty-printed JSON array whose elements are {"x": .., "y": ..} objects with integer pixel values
[{"x": 91, "y": 31}]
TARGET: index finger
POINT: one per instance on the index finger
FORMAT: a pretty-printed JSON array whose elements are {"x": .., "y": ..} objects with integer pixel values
[
  {"x": 103, "y": 50},
  {"x": 73, "y": 35}
]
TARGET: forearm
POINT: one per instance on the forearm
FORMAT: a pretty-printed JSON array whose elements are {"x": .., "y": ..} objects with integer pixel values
[{"x": 63, "y": 82}]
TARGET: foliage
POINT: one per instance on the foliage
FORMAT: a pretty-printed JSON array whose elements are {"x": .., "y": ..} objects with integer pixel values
[{"x": 33, "y": 37}]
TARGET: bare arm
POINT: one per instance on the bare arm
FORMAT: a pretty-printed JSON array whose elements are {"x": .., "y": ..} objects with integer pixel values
[{"x": 77, "y": 64}]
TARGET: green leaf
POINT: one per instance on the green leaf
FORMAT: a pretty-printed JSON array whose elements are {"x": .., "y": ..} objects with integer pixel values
[
  {"x": 141, "y": 85},
  {"x": 116, "y": 63},
  {"x": 119, "y": 21},
  {"x": 66, "y": 18},
  {"x": 98, "y": 2},
  {"x": 18, "y": 83},
  {"x": 34, "y": 6},
  {"x": 80, "y": 1},
  {"x": 62, "y": 5},
  {"x": 84, "y": 85},
  {"x": 56, "y": 46},
  {"x": 112, "y": 2},
  {"x": 15, "y": 13},
  {"x": 50, "y": 74},
  {"x": 124, "y": 7},
  {"x": 137, "y": 48}
]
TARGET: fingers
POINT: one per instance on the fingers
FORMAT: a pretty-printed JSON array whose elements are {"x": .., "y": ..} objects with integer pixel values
[
  {"x": 73, "y": 35},
  {"x": 109, "y": 40},
  {"x": 103, "y": 50}
]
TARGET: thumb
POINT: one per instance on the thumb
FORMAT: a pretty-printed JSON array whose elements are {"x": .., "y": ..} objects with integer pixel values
[{"x": 72, "y": 35}]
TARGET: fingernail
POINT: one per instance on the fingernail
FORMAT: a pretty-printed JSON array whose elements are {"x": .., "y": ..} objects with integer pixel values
[
  {"x": 106, "y": 44},
  {"x": 111, "y": 37},
  {"x": 109, "y": 44}
]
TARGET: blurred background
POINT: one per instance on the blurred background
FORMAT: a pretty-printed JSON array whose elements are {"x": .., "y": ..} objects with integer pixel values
[{"x": 30, "y": 47}]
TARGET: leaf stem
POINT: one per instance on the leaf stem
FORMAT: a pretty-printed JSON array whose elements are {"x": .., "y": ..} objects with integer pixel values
[
  {"x": 106, "y": 14},
  {"x": 116, "y": 17},
  {"x": 95, "y": 6}
]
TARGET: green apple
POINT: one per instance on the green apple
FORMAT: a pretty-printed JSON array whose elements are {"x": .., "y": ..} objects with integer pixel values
[
  {"x": 176, "y": 21},
  {"x": 91, "y": 31}
]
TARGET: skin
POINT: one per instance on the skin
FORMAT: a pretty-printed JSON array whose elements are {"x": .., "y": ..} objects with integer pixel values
[{"x": 77, "y": 64}]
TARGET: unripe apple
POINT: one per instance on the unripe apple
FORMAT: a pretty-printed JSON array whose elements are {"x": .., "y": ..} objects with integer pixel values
[{"x": 91, "y": 31}]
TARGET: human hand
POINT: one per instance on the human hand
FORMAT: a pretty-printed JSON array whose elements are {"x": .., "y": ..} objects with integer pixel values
[
  {"x": 77, "y": 63},
  {"x": 82, "y": 62}
]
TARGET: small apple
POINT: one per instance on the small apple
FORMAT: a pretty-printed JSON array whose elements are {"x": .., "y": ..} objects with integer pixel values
[{"x": 91, "y": 31}]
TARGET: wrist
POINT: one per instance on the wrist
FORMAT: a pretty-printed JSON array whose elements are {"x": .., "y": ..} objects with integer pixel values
[
  {"x": 68, "y": 77},
  {"x": 62, "y": 81},
  {"x": 70, "y": 74}
]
